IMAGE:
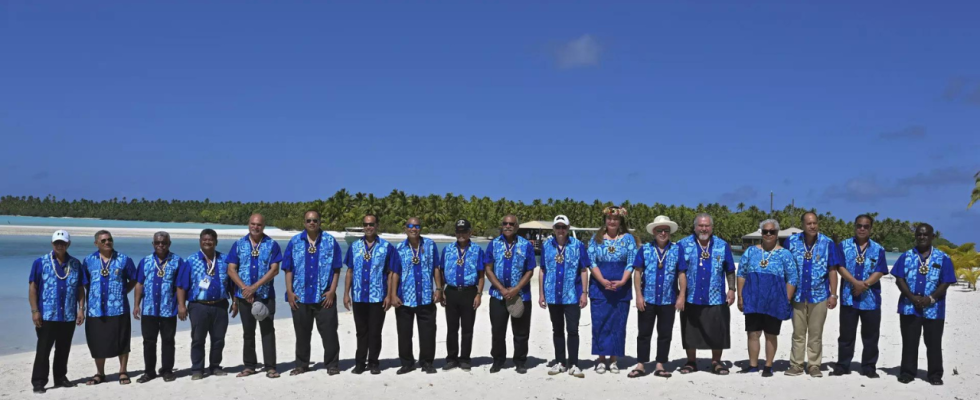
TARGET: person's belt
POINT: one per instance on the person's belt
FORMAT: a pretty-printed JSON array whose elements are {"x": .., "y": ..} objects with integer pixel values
[
  {"x": 460, "y": 288},
  {"x": 210, "y": 302}
]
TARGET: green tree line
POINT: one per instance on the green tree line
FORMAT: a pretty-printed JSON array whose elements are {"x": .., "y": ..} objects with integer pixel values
[{"x": 438, "y": 213}]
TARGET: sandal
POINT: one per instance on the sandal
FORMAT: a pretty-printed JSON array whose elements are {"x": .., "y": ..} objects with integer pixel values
[
  {"x": 97, "y": 379},
  {"x": 245, "y": 372},
  {"x": 718, "y": 368},
  {"x": 271, "y": 374},
  {"x": 600, "y": 368},
  {"x": 299, "y": 370},
  {"x": 688, "y": 368},
  {"x": 145, "y": 378},
  {"x": 636, "y": 373},
  {"x": 613, "y": 368},
  {"x": 124, "y": 379},
  {"x": 662, "y": 373}
]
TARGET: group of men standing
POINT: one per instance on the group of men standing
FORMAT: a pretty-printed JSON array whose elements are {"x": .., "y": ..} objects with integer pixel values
[{"x": 413, "y": 276}]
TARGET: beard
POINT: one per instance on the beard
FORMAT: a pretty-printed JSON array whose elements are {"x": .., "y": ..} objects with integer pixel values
[{"x": 704, "y": 236}]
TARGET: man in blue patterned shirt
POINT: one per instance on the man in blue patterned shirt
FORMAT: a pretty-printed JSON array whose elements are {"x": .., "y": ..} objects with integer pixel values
[
  {"x": 155, "y": 306},
  {"x": 57, "y": 306},
  {"x": 863, "y": 266},
  {"x": 203, "y": 282},
  {"x": 509, "y": 263},
  {"x": 108, "y": 277},
  {"x": 369, "y": 262},
  {"x": 312, "y": 264},
  {"x": 565, "y": 267},
  {"x": 461, "y": 268},
  {"x": 253, "y": 263},
  {"x": 817, "y": 259},
  {"x": 923, "y": 274},
  {"x": 418, "y": 289}
]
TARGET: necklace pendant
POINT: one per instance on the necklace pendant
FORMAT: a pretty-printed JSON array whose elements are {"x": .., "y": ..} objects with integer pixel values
[
  {"x": 508, "y": 254},
  {"x": 160, "y": 273},
  {"x": 612, "y": 249},
  {"x": 416, "y": 260},
  {"x": 367, "y": 256},
  {"x": 560, "y": 258},
  {"x": 311, "y": 249},
  {"x": 705, "y": 255},
  {"x": 255, "y": 252},
  {"x": 764, "y": 263},
  {"x": 459, "y": 261},
  {"x": 860, "y": 259},
  {"x": 808, "y": 255},
  {"x": 923, "y": 269},
  {"x": 105, "y": 272}
]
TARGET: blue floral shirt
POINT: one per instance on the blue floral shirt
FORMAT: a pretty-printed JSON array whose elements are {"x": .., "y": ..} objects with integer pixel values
[
  {"x": 874, "y": 261},
  {"x": 939, "y": 270},
  {"x": 159, "y": 293},
  {"x": 370, "y": 277},
  {"x": 509, "y": 271},
  {"x": 612, "y": 258},
  {"x": 252, "y": 268},
  {"x": 706, "y": 277},
  {"x": 57, "y": 287},
  {"x": 461, "y": 275},
  {"x": 659, "y": 279},
  {"x": 766, "y": 274},
  {"x": 415, "y": 281},
  {"x": 193, "y": 277},
  {"x": 563, "y": 280},
  {"x": 312, "y": 272},
  {"x": 107, "y": 295},
  {"x": 814, "y": 272}
]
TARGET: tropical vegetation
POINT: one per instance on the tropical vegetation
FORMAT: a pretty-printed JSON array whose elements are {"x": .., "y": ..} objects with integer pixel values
[{"x": 966, "y": 261}]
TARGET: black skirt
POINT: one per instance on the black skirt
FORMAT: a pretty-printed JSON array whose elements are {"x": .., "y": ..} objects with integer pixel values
[
  {"x": 108, "y": 337},
  {"x": 706, "y": 327}
]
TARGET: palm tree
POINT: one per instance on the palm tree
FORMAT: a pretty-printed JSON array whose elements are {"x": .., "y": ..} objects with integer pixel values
[
  {"x": 976, "y": 192},
  {"x": 740, "y": 207}
]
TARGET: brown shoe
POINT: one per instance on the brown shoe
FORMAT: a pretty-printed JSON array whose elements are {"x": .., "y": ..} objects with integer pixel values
[
  {"x": 794, "y": 370},
  {"x": 814, "y": 371}
]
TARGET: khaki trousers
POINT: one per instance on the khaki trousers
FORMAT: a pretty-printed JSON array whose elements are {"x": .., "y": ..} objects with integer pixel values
[{"x": 808, "y": 321}]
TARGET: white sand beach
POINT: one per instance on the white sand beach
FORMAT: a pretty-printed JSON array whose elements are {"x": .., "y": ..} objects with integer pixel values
[
  {"x": 962, "y": 369},
  {"x": 184, "y": 233}
]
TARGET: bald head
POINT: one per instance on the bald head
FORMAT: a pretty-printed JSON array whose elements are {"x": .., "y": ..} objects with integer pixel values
[{"x": 256, "y": 226}]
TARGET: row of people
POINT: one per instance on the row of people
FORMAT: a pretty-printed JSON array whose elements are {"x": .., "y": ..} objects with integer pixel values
[{"x": 696, "y": 276}]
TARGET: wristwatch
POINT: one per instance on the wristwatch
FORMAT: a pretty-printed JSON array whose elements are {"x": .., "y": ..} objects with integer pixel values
[
  {"x": 834, "y": 296},
  {"x": 932, "y": 300}
]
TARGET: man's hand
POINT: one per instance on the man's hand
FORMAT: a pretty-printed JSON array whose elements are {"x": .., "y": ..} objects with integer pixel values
[
  {"x": 291, "y": 298},
  {"x": 79, "y": 318},
  {"x": 679, "y": 305},
  {"x": 641, "y": 304},
  {"x": 328, "y": 299},
  {"x": 347, "y": 301},
  {"x": 36, "y": 317},
  {"x": 477, "y": 300},
  {"x": 731, "y": 297},
  {"x": 583, "y": 300},
  {"x": 396, "y": 301},
  {"x": 234, "y": 308},
  {"x": 136, "y": 313},
  {"x": 437, "y": 297},
  {"x": 386, "y": 303},
  {"x": 741, "y": 304},
  {"x": 182, "y": 312},
  {"x": 831, "y": 302},
  {"x": 248, "y": 292}
]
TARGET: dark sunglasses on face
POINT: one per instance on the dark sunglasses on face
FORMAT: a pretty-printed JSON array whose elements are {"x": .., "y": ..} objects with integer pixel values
[
  {"x": 413, "y": 226},
  {"x": 505, "y": 223},
  {"x": 370, "y": 224},
  {"x": 312, "y": 221},
  {"x": 107, "y": 240},
  {"x": 158, "y": 243},
  {"x": 862, "y": 226},
  {"x": 560, "y": 227},
  {"x": 767, "y": 232},
  {"x": 662, "y": 230}
]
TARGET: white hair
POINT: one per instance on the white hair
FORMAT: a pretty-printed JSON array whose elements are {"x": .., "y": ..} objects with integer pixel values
[
  {"x": 703, "y": 215},
  {"x": 767, "y": 222}
]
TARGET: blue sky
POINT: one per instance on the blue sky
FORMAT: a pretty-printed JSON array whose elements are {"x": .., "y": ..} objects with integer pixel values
[{"x": 843, "y": 107}]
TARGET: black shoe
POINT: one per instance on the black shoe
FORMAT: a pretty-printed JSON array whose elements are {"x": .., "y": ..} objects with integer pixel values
[
  {"x": 905, "y": 379},
  {"x": 520, "y": 369},
  {"x": 766, "y": 372},
  {"x": 197, "y": 376},
  {"x": 839, "y": 372},
  {"x": 465, "y": 366},
  {"x": 450, "y": 365},
  {"x": 40, "y": 390},
  {"x": 376, "y": 369},
  {"x": 169, "y": 377},
  {"x": 218, "y": 371},
  {"x": 333, "y": 371},
  {"x": 936, "y": 382},
  {"x": 428, "y": 368},
  {"x": 872, "y": 374},
  {"x": 358, "y": 370},
  {"x": 64, "y": 384},
  {"x": 403, "y": 370},
  {"x": 495, "y": 368},
  {"x": 146, "y": 378}
]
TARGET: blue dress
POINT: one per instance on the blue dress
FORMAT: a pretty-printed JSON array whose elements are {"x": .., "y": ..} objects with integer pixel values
[
  {"x": 766, "y": 274},
  {"x": 610, "y": 309}
]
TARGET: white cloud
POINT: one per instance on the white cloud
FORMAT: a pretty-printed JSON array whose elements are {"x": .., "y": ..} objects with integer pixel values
[{"x": 581, "y": 52}]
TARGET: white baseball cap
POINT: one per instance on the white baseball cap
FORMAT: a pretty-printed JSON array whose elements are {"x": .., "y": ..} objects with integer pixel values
[
  {"x": 561, "y": 219},
  {"x": 61, "y": 235}
]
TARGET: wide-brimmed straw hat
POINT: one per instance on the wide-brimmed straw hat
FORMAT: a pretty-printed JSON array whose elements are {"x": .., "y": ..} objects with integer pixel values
[{"x": 662, "y": 220}]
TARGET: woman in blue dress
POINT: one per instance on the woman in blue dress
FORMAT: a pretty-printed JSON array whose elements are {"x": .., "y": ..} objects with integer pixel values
[
  {"x": 767, "y": 277},
  {"x": 612, "y": 252}
]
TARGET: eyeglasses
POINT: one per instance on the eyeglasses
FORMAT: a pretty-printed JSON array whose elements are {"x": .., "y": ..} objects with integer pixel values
[
  {"x": 413, "y": 226},
  {"x": 159, "y": 242},
  {"x": 862, "y": 226},
  {"x": 662, "y": 230},
  {"x": 312, "y": 221},
  {"x": 104, "y": 241},
  {"x": 370, "y": 224},
  {"x": 505, "y": 223},
  {"x": 767, "y": 232},
  {"x": 560, "y": 227}
]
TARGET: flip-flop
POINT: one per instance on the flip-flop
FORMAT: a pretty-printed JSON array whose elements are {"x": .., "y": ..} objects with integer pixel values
[
  {"x": 636, "y": 373},
  {"x": 124, "y": 379},
  {"x": 97, "y": 379},
  {"x": 246, "y": 372},
  {"x": 719, "y": 369},
  {"x": 299, "y": 370},
  {"x": 689, "y": 368},
  {"x": 661, "y": 373},
  {"x": 271, "y": 374}
]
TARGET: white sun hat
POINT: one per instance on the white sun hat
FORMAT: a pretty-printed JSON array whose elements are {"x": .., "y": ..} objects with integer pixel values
[{"x": 662, "y": 220}]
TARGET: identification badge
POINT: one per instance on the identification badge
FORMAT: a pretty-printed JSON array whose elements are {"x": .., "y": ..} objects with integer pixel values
[{"x": 205, "y": 283}]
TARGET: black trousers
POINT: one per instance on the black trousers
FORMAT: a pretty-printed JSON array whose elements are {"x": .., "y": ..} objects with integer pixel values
[
  {"x": 870, "y": 332},
  {"x": 931, "y": 331},
  {"x": 266, "y": 328},
  {"x": 663, "y": 316},
  {"x": 326, "y": 325},
  {"x": 207, "y": 320},
  {"x": 498, "y": 329},
  {"x": 565, "y": 317},
  {"x": 57, "y": 335},
  {"x": 404, "y": 317},
  {"x": 459, "y": 314},
  {"x": 166, "y": 328},
  {"x": 369, "y": 318}
]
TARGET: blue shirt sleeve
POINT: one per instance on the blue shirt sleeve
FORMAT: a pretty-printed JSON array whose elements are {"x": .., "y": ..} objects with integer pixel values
[
  {"x": 349, "y": 257},
  {"x": 487, "y": 255},
  {"x": 480, "y": 266},
  {"x": 729, "y": 259},
  {"x": 184, "y": 275},
  {"x": 140, "y": 275},
  {"x": 129, "y": 271},
  {"x": 86, "y": 279},
  {"x": 583, "y": 257},
  {"x": 35, "y": 271},
  {"x": 232, "y": 257},
  {"x": 786, "y": 244},
  {"x": 681, "y": 261},
  {"x": 532, "y": 261},
  {"x": 336, "y": 263},
  {"x": 741, "y": 263},
  {"x": 593, "y": 255},
  {"x": 287, "y": 261},
  {"x": 898, "y": 270},
  {"x": 792, "y": 270},
  {"x": 835, "y": 256},
  {"x": 436, "y": 258},
  {"x": 638, "y": 262},
  {"x": 394, "y": 261},
  {"x": 947, "y": 274},
  {"x": 882, "y": 265},
  {"x": 276, "y": 256}
]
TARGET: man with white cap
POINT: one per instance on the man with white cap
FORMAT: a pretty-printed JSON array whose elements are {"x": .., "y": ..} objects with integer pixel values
[
  {"x": 57, "y": 306},
  {"x": 564, "y": 272},
  {"x": 655, "y": 276}
]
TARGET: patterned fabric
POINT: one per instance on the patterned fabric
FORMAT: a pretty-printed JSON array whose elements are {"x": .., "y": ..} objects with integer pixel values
[
  {"x": 940, "y": 270},
  {"x": 764, "y": 290},
  {"x": 509, "y": 271},
  {"x": 612, "y": 258},
  {"x": 415, "y": 284},
  {"x": 252, "y": 269},
  {"x": 107, "y": 295},
  {"x": 609, "y": 327},
  {"x": 814, "y": 273},
  {"x": 874, "y": 261},
  {"x": 159, "y": 294},
  {"x": 57, "y": 299},
  {"x": 465, "y": 275},
  {"x": 562, "y": 280},
  {"x": 706, "y": 278},
  {"x": 370, "y": 283},
  {"x": 659, "y": 281},
  {"x": 312, "y": 272},
  {"x": 194, "y": 271}
]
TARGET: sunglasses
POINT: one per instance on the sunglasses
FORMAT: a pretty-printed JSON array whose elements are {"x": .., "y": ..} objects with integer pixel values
[
  {"x": 413, "y": 226},
  {"x": 312, "y": 221},
  {"x": 862, "y": 226},
  {"x": 560, "y": 227},
  {"x": 505, "y": 223},
  {"x": 767, "y": 232},
  {"x": 103, "y": 241},
  {"x": 158, "y": 242},
  {"x": 370, "y": 224},
  {"x": 662, "y": 230}
]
